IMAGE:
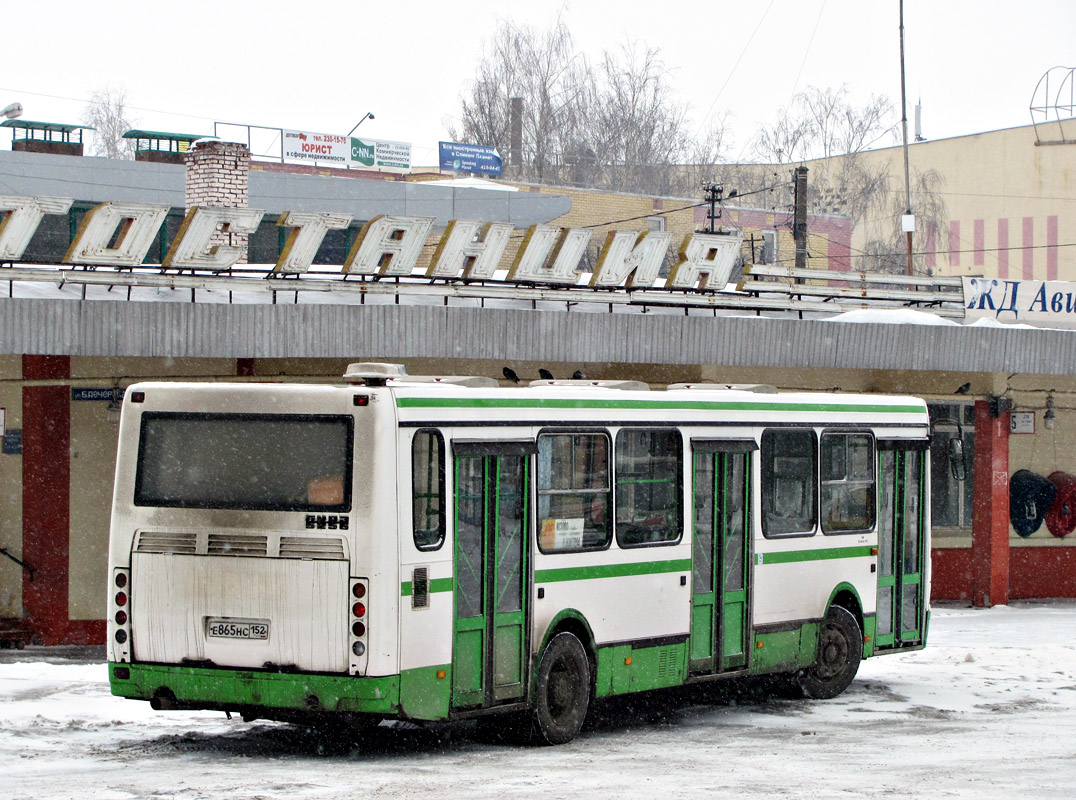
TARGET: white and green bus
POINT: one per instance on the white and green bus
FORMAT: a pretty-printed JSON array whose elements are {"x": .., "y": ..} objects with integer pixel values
[{"x": 438, "y": 548}]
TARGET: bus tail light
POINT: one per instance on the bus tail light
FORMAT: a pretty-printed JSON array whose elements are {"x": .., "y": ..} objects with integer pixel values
[
  {"x": 360, "y": 619},
  {"x": 119, "y": 622}
]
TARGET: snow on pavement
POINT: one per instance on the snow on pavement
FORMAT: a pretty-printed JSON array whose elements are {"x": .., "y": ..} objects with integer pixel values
[{"x": 988, "y": 710}]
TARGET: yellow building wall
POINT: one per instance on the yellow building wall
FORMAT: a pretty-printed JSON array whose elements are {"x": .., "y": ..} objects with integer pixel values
[
  {"x": 1010, "y": 204},
  {"x": 11, "y": 574}
]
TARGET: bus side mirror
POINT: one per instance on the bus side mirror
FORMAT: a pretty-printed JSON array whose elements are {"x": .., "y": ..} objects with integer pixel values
[{"x": 957, "y": 465}]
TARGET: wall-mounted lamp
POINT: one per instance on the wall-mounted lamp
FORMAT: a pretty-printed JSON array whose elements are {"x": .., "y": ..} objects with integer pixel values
[
  {"x": 1050, "y": 417},
  {"x": 112, "y": 412}
]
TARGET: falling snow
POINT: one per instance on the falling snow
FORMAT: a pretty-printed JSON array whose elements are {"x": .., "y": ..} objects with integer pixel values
[{"x": 988, "y": 710}]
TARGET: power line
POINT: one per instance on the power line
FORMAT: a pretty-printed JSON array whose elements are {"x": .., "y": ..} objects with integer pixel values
[
  {"x": 732, "y": 71},
  {"x": 806, "y": 53},
  {"x": 84, "y": 100}
]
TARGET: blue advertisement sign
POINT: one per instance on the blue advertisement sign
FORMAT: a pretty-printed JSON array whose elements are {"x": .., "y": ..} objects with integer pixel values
[
  {"x": 474, "y": 158},
  {"x": 12, "y": 443}
]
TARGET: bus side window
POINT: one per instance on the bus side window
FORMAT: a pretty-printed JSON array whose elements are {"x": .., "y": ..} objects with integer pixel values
[
  {"x": 573, "y": 492},
  {"x": 789, "y": 477},
  {"x": 847, "y": 482},
  {"x": 428, "y": 489},
  {"x": 649, "y": 499}
]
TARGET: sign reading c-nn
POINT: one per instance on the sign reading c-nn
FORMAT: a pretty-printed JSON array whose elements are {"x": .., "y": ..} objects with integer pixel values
[{"x": 121, "y": 234}]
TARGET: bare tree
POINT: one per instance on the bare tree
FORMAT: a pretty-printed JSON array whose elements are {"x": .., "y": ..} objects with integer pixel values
[
  {"x": 107, "y": 113},
  {"x": 637, "y": 130},
  {"x": 784, "y": 142},
  {"x": 617, "y": 126},
  {"x": 820, "y": 123},
  {"x": 542, "y": 68}
]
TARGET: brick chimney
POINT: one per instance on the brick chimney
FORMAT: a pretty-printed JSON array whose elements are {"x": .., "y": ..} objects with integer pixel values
[{"x": 218, "y": 174}]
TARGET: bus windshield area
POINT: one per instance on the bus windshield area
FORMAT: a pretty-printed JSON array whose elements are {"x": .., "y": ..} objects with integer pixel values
[{"x": 269, "y": 462}]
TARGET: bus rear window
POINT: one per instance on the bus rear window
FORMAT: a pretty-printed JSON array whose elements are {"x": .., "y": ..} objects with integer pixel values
[{"x": 270, "y": 462}]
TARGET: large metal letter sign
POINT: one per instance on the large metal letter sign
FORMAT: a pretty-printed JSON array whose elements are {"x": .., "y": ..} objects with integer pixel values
[
  {"x": 191, "y": 250},
  {"x": 19, "y": 218},
  {"x": 309, "y": 229},
  {"x": 543, "y": 244},
  {"x": 630, "y": 259},
  {"x": 470, "y": 248},
  {"x": 132, "y": 226},
  {"x": 388, "y": 245},
  {"x": 707, "y": 258},
  {"x": 121, "y": 234}
]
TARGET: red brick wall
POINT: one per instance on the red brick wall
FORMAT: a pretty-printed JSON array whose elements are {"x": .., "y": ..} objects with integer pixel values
[{"x": 1042, "y": 572}]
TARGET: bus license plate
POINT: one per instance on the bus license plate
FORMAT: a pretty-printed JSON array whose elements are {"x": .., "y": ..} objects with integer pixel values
[{"x": 231, "y": 628}]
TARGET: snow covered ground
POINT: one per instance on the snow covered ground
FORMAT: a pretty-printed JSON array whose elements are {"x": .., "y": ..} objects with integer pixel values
[{"x": 988, "y": 710}]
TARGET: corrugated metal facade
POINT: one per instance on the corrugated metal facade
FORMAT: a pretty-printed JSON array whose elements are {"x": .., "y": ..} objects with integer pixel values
[{"x": 96, "y": 328}]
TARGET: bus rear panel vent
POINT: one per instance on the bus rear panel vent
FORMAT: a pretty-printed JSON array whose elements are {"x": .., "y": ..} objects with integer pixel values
[{"x": 420, "y": 587}]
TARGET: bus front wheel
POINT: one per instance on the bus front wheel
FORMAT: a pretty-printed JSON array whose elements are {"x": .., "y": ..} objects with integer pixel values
[
  {"x": 840, "y": 648},
  {"x": 563, "y": 690}
]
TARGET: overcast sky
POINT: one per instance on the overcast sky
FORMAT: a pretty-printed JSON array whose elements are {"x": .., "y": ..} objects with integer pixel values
[{"x": 319, "y": 66}]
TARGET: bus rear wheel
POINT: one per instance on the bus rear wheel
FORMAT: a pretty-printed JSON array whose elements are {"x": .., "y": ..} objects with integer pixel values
[
  {"x": 840, "y": 649},
  {"x": 563, "y": 696}
]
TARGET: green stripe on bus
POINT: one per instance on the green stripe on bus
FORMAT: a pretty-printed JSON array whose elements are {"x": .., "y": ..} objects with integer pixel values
[
  {"x": 681, "y": 405},
  {"x": 815, "y": 555},
  {"x": 436, "y": 585},
  {"x": 610, "y": 571}
]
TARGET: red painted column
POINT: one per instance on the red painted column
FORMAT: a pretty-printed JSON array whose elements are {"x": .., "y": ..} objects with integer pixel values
[
  {"x": 46, "y": 490},
  {"x": 990, "y": 526}
]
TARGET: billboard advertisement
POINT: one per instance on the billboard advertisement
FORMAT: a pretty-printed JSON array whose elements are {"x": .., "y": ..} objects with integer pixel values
[
  {"x": 380, "y": 153},
  {"x": 474, "y": 158},
  {"x": 308, "y": 146},
  {"x": 345, "y": 151}
]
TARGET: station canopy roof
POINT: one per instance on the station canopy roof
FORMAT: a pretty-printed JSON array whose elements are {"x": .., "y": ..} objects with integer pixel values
[
  {"x": 164, "y": 136},
  {"x": 55, "y": 127},
  {"x": 48, "y": 131}
]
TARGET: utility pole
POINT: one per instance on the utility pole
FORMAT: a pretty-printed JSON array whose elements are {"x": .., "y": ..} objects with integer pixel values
[
  {"x": 714, "y": 194},
  {"x": 908, "y": 223},
  {"x": 799, "y": 220}
]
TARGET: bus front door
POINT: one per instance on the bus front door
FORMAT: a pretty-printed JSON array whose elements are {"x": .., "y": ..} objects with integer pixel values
[
  {"x": 901, "y": 555},
  {"x": 489, "y": 644},
  {"x": 720, "y": 614}
]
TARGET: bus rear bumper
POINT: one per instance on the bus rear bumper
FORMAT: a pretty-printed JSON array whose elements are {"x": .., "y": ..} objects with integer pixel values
[{"x": 181, "y": 687}]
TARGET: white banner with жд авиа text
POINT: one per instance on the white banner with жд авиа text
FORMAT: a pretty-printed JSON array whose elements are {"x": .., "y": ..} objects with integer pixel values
[{"x": 1048, "y": 304}]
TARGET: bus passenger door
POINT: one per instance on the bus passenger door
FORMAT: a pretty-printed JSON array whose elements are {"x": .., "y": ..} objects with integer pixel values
[
  {"x": 720, "y": 614},
  {"x": 901, "y": 551},
  {"x": 490, "y": 641}
]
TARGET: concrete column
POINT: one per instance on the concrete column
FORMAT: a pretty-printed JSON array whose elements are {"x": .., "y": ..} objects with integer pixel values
[
  {"x": 46, "y": 496},
  {"x": 990, "y": 526}
]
